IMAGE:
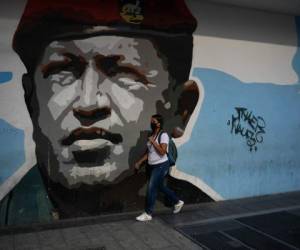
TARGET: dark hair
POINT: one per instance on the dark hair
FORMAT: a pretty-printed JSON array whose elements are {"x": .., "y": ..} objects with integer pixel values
[{"x": 160, "y": 119}]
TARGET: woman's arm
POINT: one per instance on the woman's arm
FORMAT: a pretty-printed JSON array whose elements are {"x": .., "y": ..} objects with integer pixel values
[
  {"x": 140, "y": 161},
  {"x": 143, "y": 158},
  {"x": 160, "y": 148}
]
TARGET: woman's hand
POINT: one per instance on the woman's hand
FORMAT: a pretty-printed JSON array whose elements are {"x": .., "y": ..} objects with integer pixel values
[
  {"x": 151, "y": 139},
  {"x": 137, "y": 165}
]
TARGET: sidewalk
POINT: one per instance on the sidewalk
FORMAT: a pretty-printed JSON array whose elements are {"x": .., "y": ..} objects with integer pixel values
[{"x": 265, "y": 222}]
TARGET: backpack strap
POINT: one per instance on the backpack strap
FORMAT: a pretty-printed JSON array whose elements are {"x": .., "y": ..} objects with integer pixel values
[{"x": 159, "y": 135}]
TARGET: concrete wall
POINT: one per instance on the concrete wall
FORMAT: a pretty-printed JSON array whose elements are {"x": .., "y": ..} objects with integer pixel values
[{"x": 241, "y": 135}]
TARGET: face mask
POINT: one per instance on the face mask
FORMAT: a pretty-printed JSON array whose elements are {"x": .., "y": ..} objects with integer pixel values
[{"x": 153, "y": 125}]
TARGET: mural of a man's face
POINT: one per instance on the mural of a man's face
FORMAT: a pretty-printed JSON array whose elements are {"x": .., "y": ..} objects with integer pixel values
[{"x": 95, "y": 96}]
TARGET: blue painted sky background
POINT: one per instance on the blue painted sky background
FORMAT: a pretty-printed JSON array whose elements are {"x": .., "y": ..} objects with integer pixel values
[
  {"x": 12, "y": 154},
  {"x": 5, "y": 77},
  {"x": 224, "y": 160}
]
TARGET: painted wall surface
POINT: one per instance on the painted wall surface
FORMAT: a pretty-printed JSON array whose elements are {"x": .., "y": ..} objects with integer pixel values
[{"x": 76, "y": 100}]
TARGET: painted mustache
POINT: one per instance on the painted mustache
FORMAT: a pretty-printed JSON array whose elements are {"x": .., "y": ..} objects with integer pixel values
[{"x": 90, "y": 134}]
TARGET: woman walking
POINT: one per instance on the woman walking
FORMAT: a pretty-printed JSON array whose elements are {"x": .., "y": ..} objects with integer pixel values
[{"x": 158, "y": 165}]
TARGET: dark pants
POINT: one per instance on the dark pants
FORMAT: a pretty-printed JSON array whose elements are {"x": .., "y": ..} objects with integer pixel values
[{"x": 156, "y": 182}]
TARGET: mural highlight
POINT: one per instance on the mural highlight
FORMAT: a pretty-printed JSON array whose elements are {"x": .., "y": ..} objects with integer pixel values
[{"x": 96, "y": 72}]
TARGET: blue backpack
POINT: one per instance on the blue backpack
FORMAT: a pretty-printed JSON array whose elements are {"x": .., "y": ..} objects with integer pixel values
[{"x": 172, "y": 149}]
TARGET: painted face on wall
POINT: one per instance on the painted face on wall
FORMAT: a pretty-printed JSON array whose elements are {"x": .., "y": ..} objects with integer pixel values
[{"x": 94, "y": 97}]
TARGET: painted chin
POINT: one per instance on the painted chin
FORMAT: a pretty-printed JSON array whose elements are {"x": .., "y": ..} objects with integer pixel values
[
  {"x": 104, "y": 174},
  {"x": 98, "y": 162}
]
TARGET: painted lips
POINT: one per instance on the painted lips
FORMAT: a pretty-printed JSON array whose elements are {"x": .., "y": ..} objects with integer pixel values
[{"x": 91, "y": 134}]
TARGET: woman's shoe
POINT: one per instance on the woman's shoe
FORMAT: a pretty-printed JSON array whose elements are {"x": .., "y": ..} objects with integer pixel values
[
  {"x": 144, "y": 217},
  {"x": 178, "y": 206}
]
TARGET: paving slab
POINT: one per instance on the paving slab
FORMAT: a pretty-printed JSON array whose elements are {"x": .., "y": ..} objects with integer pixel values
[
  {"x": 177, "y": 238},
  {"x": 51, "y": 239},
  {"x": 6, "y": 242},
  {"x": 295, "y": 211},
  {"x": 256, "y": 240},
  {"x": 205, "y": 228},
  {"x": 281, "y": 225},
  {"x": 217, "y": 241},
  {"x": 225, "y": 209},
  {"x": 150, "y": 235},
  {"x": 26, "y": 241},
  {"x": 182, "y": 218},
  {"x": 100, "y": 237},
  {"x": 238, "y": 206},
  {"x": 125, "y": 237}
]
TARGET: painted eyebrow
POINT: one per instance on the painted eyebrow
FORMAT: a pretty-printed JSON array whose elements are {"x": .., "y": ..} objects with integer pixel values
[
  {"x": 111, "y": 65},
  {"x": 71, "y": 62}
]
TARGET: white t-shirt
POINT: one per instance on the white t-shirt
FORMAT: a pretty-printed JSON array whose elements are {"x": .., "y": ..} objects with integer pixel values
[{"x": 153, "y": 156}]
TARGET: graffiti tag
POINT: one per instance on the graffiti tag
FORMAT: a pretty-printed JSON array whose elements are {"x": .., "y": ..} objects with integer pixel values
[{"x": 249, "y": 126}]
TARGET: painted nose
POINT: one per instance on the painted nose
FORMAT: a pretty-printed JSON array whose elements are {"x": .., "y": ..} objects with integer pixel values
[{"x": 93, "y": 104}]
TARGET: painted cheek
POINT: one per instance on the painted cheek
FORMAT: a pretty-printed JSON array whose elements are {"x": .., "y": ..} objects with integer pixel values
[
  {"x": 115, "y": 119},
  {"x": 129, "y": 105},
  {"x": 62, "y": 99},
  {"x": 69, "y": 123}
]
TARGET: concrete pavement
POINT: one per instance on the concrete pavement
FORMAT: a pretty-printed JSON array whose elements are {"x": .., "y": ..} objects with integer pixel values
[{"x": 265, "y": 222}]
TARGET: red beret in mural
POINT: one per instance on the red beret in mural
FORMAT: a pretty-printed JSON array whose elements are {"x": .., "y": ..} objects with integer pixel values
[
  {"x": 171, "y": 16},
  {"x": 48, "y": 20}
]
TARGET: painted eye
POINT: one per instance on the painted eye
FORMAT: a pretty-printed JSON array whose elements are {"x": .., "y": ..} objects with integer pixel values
[
  {"x": 132, "y": 84},
  {"x": 152, "y": 73},
  {"x": 63, "y": 78}
]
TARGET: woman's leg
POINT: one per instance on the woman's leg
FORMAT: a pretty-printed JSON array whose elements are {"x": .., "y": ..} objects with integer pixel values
[
  {"x": 152, "y": 189},
  {"x": 163, "y": 188}
]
